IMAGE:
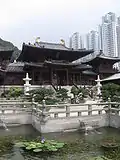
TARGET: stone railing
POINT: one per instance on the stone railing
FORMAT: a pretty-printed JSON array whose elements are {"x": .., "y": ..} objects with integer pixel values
[
  {"x": 57, "y": 118},
  {"x": 53, "y": 118},
  {"x": 72, "y": 110},
  {"x": 15, "y": 112}
]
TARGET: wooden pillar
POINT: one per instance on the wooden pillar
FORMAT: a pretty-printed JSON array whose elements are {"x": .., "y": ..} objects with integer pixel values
[
  {"x": 73, "y": 77},
  {"x": 51, "y": 75},
  {"x": 80, "y": 79},
  {"x": 40, "y": 76},
  {"x": 67, "y": 78}
]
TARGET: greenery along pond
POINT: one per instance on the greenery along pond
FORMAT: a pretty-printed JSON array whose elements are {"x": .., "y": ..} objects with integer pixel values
[{"x": 68, "y": 146}]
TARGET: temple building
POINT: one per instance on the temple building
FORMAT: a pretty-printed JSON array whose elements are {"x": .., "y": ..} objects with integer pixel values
[{"x": 55, "y": 64}]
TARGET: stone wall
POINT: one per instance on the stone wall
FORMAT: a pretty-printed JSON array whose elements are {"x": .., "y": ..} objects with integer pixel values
[
  {"x": 114, "y": 121},
  {"x": 15, "y": 113},
  {"x": 63, "y": 125},
  {"x": 11, "y": 120}
]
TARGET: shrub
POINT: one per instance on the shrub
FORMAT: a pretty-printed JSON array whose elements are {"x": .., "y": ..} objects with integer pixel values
[
  {"x": 74, "y": 91},
  {"x": 111, "y": 91},
  {"x": 13, "y": 92},
  {"x": 78, "y": 93},
  {"x": 43, "y": 94},
  {"x": 62, "y": 94}
]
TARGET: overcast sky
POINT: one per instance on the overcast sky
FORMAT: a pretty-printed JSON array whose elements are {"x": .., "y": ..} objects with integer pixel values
[{"x": 24, "y": 20}]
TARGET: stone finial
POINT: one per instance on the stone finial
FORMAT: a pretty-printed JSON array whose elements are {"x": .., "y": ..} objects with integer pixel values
[
  {"x": 62, "y": 42},
  {"x": 37, "y": 40}
]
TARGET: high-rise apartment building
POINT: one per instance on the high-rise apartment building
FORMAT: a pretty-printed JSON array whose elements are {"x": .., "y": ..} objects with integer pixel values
[
  {"x": 93, "y": 40},
  {"x": 75, "y": 41},
  {"x": 81, "y": 46},
  {"x": 100, "y": 43},
  {"x": 109, "y": 35},
  {"x": 118, "y": 36}
]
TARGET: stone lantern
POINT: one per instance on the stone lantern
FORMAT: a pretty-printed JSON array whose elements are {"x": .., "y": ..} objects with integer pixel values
[{"x": 27, "y": 84}]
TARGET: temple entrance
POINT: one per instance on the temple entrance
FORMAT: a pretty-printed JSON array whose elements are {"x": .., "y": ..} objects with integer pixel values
[{"x": 61, "y": 76}]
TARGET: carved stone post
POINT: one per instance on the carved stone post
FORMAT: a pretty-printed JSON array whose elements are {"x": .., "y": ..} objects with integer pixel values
[
  {"x": 44, "y": 115},
  {"x": 89, "y": 109},
  {"x": 67, "y": 111}
]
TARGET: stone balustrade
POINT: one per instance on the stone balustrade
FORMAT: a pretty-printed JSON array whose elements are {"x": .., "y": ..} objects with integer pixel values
[
  {"x": 75, "y": 110},
  {"x": 57, "y": 118},
  {"x": 15, "y": 112}
]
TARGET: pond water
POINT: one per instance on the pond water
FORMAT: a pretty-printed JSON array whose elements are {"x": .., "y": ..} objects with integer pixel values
[{"x": 80, "y": 146}]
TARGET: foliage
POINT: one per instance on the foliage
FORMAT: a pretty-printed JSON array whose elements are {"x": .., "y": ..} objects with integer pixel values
[
  {"x": 79, "y": 93},
  {"x": 74, "y": 91},
  {"x": 45, "y": 146},
  {"x": 13, "y": 92},
  {"x": 111, "y": 91},
  {"x": 5, "y": 144},
  {"x": 43, "y": 94},
  {"x": 62, "y": 94}
]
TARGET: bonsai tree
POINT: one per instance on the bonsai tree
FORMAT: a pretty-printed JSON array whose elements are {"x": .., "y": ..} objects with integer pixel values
[
  {"x": 75, "y": 91},
  {"x": 78, "y": 93},
  {"x": 111, "y": 91},
  {"x": 43, "y": 94},
  {"x": 62, "y": 94}
]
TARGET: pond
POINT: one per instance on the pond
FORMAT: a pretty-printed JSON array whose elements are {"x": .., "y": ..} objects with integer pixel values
[{"x": 78, "y": 145}]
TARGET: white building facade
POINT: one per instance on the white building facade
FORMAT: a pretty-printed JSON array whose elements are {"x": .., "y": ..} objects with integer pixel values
[
  {"x": 118, "y": 37},
  {"x": 82, "y": 45},
  {"x": 100, "y": 40},
  {"x": 93, "y": 40},
  {"x": 75, "y": 41},
  {"x": 109, "y": 35}
]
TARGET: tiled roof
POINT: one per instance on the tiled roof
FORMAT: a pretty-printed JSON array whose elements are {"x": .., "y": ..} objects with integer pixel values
[
  {"x": 47, "y": 45},
  {"x": 83, "y": 66},
  {"x": 56, "y": 46},
  {"x": 88, "y": 72},
  {"x": 60, "y": 63},
  {"x": 95, "y": 55},
  {"x": 33, "y": 64},
  {"x": 15, "y": 67},
  {"x": 51, "y": 45},
  {"x": 113, "y": 77}
]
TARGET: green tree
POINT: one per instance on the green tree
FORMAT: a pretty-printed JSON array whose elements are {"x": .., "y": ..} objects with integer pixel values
[
  {"x": 62, "y": 94},
  {"x": 111, "y": 91},
  {"x": 43, "y": 94},
  {"x": 78, "y": 93},
  {"x": 14, "y": 92},
  {"x": 74, "y": 91}
]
